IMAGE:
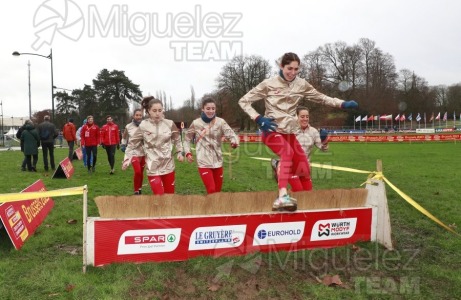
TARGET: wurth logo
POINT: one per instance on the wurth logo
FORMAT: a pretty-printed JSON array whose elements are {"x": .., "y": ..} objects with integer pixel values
[
  {"x": 324, "y": 229},
  {"x": 333, "y": 229}
]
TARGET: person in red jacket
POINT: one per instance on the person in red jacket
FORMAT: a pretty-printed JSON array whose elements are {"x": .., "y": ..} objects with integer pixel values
[
  {"x": 110, "y": 140},
  {"x": 89, "y": 138},
  {"x": 68, "y": 131}
]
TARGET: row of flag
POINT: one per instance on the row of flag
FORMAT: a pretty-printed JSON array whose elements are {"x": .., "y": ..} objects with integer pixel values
[{"x": 402, "y": 117}]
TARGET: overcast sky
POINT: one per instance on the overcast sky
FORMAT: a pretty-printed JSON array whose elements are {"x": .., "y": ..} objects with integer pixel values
[{"x": 173, "y": 45}]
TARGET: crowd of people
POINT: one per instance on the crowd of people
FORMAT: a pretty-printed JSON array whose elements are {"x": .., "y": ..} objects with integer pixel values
[{"x": 152, "y": 142}]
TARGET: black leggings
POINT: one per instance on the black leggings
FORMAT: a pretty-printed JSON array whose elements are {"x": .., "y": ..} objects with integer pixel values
[{"x": 91, "y": 150}]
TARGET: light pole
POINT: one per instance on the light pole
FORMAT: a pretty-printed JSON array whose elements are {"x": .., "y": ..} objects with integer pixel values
[
  {"x": 30, "y": 98},
  {"x": 3, "y": 132},
  {"x": 50, "y": 57}
]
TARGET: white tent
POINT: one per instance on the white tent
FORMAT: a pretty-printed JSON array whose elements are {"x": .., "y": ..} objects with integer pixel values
[{"x": 11, "y": 132}]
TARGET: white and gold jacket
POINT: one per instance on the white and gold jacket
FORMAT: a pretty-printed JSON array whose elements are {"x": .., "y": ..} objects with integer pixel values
[
  {"x": 135, "y": 148},
  {"x": 157, "y": 139},
  {"x": 308, "y": 138},
  {"x": 208, "y": 140},
  {"x": 281, "y": 99}
]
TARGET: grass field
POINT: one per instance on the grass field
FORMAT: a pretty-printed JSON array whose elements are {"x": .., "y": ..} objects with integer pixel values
[{"x": 424, "y": 265}]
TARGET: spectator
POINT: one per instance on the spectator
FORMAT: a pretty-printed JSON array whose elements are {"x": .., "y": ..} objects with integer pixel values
[
  {"x": 60, "y": 136},
  {"x": 110, "y": 139},
  {"x": 89, "y": 137},
  {"x": 79, "y": 131},
  {"x": 47, "y": 133},
  {"x": 31, "y": 141},
  {"x": 69, "y": 134},
  {"x": 21, "y": 143}
]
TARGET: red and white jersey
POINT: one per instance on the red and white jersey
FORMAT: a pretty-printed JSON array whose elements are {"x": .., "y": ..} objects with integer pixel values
[{"x": 208, "y": 141}]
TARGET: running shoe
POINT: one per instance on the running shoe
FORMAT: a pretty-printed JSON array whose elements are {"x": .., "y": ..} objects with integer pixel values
[{"x": 285, "y": 203}]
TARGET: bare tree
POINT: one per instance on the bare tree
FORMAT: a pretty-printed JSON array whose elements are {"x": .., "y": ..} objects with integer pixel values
[{"x": 238, "y": 77}]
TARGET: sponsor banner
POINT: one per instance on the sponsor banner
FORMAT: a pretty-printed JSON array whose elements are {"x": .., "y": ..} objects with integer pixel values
[
  {"x": 21, "y": 218},
  {"x": 182, "y": 238},
  {"x": 217, "y": 237},
  {"x": 333, "y": 229},
  {"x": 278, "y": 233},
  {"x": 425, "y": 130},
  {"x": 65, "y": 169},
  {"x": 148, "y": 241},
  {"x": 396, "y": 138},
  {"x": 78, "y": 154},
  {"x": 446, "y": 136},
  {"x": 250, "y": 138}
]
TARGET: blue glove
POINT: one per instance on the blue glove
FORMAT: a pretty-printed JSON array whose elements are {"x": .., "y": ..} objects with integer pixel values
[
  {"x": 123, "y": 147},
  {"x": 266, "y": 124},
  {"x": 349, "y": 104},
  {"x": 323, "y": 135}
]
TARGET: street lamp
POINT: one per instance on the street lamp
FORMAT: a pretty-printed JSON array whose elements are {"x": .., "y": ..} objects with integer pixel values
[
  {"x": 50, "y": 57},
  {"x": 30, "y": 97},
  {"x": 3, "y": 132},
  {"x": 59, "y": 88}
]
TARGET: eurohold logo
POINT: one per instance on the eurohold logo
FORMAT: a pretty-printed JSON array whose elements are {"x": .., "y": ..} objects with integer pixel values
[
  {"x": 149, "y": 241},
  {"x": 278, "y": 233},
  {"x": 333, "y": 229}
]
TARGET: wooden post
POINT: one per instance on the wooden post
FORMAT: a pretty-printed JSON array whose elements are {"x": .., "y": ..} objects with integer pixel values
[{"x": 377, "y": 198}]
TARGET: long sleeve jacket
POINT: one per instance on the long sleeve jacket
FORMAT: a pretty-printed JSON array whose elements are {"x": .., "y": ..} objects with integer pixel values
[
  {"x": 308, "y": 138},
  {"x": 135, "y": 148},
  {"x": 208, "y": 140},
  {"x": 110, "y": 134},
  {"x": 89, "y": 135},
  {"x": 157, "y": 139},
  {"x": 281, "y": 98}
]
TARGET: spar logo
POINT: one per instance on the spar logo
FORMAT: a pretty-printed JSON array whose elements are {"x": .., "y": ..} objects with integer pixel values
[
  {"x": 217, "y": 237},
  {"x": 333, "y": 229},
  {"x": 278, "y": 233},
  {"x": 149, "y": 241}
]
